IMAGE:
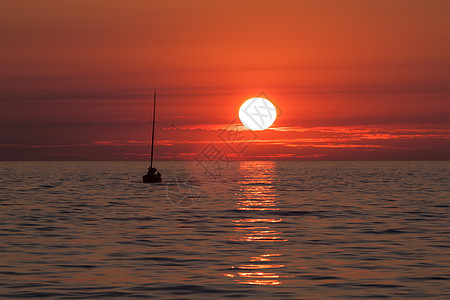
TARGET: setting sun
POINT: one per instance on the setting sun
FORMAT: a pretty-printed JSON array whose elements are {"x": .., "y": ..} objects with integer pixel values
[{"x": 257, "y": 114}]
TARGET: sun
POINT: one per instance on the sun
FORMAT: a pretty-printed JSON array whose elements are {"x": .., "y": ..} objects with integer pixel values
[{"x": 257, "y": 113}]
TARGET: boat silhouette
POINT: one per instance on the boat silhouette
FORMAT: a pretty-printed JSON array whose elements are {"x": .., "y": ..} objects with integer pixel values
[{"x": 152, "y": 175}]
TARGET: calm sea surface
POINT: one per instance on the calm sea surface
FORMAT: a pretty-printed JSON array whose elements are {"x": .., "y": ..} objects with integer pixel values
[{"x": 277, "y": 230}]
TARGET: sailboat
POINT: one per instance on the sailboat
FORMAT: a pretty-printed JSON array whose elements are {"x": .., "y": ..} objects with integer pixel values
[{"x": 152, "y": 175}]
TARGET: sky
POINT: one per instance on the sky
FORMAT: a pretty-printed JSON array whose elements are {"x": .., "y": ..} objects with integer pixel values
[{"x": 351, "y": 79}]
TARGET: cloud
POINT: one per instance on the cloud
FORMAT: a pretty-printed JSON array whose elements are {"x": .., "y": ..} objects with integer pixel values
[{"x": 185, "y": 143}]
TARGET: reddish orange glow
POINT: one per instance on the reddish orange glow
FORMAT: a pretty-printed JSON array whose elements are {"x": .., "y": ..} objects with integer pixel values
[
  {"x": 258, "y": 220},
  {"x": 261, "y": 282},
  {"x": 265, "y": 257},
  {"x": 258, "y": 193},
  {"x": 260, "y": 266},
  {"x": 366, "y": 88}
]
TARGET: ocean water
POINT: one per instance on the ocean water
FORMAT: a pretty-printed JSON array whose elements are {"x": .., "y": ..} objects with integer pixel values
[{"x": 215, "y": 230}]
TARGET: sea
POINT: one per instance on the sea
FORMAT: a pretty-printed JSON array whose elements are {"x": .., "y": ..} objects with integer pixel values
[{"x": 221, "y": 229}]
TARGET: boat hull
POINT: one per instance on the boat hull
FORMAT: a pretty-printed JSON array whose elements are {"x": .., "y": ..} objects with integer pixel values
[{"x": 151, "y": 178}]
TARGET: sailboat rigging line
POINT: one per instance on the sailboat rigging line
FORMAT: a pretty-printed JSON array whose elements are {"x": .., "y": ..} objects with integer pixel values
[{"x": 153, "y": 129}]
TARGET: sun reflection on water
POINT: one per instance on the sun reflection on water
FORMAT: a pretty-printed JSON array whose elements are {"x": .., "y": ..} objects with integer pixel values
[{"x": 257, "y": 198}]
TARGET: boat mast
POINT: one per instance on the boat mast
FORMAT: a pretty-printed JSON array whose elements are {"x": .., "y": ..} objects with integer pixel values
[{"x": 153, "y": 129}]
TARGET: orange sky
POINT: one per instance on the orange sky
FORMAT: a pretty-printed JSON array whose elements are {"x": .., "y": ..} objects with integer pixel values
[{"x": 363, "y": 80}]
